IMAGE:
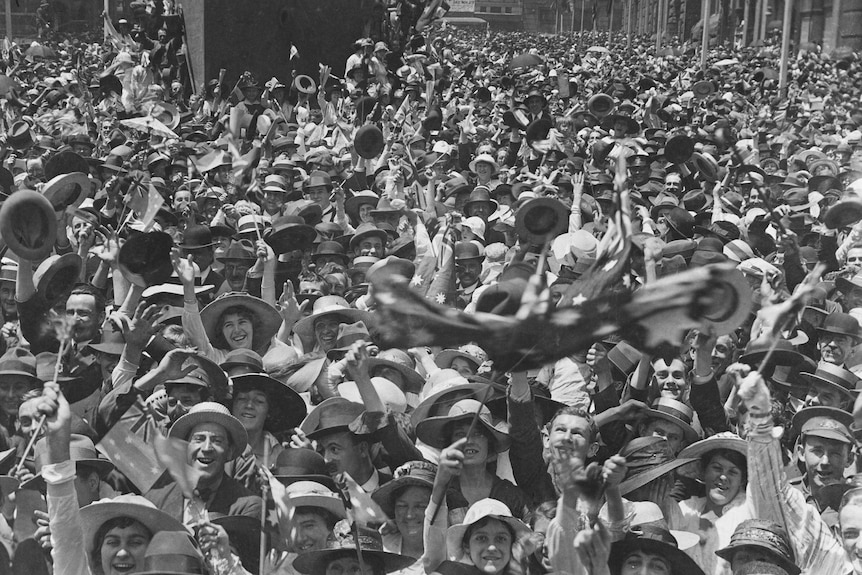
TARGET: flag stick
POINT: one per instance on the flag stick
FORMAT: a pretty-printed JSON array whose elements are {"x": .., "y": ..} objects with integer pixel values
[{"x": 264, "y": 490}]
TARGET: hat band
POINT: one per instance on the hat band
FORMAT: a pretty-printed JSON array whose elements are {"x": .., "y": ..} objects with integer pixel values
[
  {"x": 174, "y": 563},
  {"x": 79, "y": 453},
  {"x": 761, "y": 537},
  {"x": 686, "y": 417}
]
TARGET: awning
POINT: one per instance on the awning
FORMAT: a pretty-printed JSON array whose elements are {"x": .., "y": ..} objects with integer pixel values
[{"x": 465, "y": 20}]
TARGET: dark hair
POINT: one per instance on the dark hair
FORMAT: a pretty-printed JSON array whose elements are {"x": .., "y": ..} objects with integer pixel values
[
  {"x": 735, "y": 457},
  {"x": 481, "y": 523},
  {"x": 328, "y": 517},
  {"x": 546, "y": 510},
  {"x": 118, "y": 523},
  {"x": 83, "y": 289},
  {"x": 375, "y": 563},
  {"x": 242, "y": 311}
]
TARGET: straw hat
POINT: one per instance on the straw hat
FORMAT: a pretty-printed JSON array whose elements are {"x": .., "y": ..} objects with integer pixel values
[
  {"x": 95, "y": 515},
  {"x": 211, "y": 412},
  {"x": 268, "y": 318},
  {"x": 433, "y": 431}
]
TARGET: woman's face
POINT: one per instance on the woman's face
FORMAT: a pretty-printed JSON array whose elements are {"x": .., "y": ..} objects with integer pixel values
[
  {"x": 347, "y": 566},
  {"x": 251, "y": 408},
  {"x": 463, "y": 367},
  {"x": 484, "y": 171},
  {"x": 237, "y": 331},
  {"x": 477, "y": 450},
  {"x": 410, "y": 510},
  {"x": 365, "y": 213},
  {"x": 326, "y": 331},
  {"x": 490, "y": 546},
  {"x": 122, "y": 550},
  {"x": 723, "y": 480}
]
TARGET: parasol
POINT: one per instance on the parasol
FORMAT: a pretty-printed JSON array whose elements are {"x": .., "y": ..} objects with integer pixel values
[
  {"x": 525, "y": 61},
  {"x": 40, "y": 51},
  {"x": 727, "y": 62},
  {"x": 149, "y": 125}
]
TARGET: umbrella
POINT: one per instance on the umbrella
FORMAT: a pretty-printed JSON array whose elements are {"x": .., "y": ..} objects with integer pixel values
[
  {"x": 7, "y": 84},
  {"x": 40, "y": 51},
  {"x": 727, "y": 62},
  {"x": 599, "y": 49},
  {"x": 525, "y": 61},
  {"x": 149, "y": 125}
]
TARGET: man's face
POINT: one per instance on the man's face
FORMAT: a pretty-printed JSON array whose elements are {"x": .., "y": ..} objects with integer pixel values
[
  {"x": 672, "y": 432},
  {"x": 208, "y": 451},
  {"x": 182, "y": 199},
  {"x": 569, "y": 435},
  {"x": 81, "y": 310},
  {"x": 673, "y": 183},
  {"x": 480, "y": 209},
  {"x": 824, "y": 396},
  {"x": 319, "y": 195},
  {"x": 851, "y": 528},
  {"x": 468, "y": 271},
  {"x": 7, "y": 300},
  {"x": 670, "y": 378},
  {"x": 853, "y": 298},
  {"x": 311, "y": 533},
  {"x": 343, "y": 454},
  {"x": 642, "y": 563},
  {"x": 834, "y": 348},
  {"x": 722, "y": 353},
  {"x": 184, "y": 394},
  {"x": 640, "y": 173},
  {"x": 534, "y": 104},
  {"x": 854, "y": 258},
  {"x": 234, "y": 272},
  {"x": 371, "y": 246},
  {"x": 824, "y": 459}
]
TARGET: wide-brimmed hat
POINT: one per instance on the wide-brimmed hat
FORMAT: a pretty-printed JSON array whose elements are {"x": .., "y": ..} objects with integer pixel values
[
  {"x": 211, "y": 412},
  {"x": 488, "y": 159},
  {"x": 268, "y": 318},
  {"x": 783, "y": 353},
  {"x": 410, "y": 474},
  {"x": 481, "y": 195},
  {"x": 367, "y": 230},
  {"x": 173, "y": 553},
  {"x": 326, "y": 306},
  {"x": 648, "y": 458},
  {"x": 482, "y": 509},
  {"x": 680, "y": 220},
  {"x": 445, "y": 357},
  {"x": 299, "y": 464},
  {"x": 67, "y": 190},
  {"x": 310, "y": 493},
  {"x": 348, "y": 334},
  {"x": 330, "y": 249},
  {"x": 94, "y": 515},
  {"x": 654, "y": 540},
  {"x": 286, "y": 408},
  {"x": 82, "y": 452},
  {"x": 400, "y": 361},
  {"x": 390, "y": 394},
  {"x": 56, "y": 275},
  {"x": 840, "y": 324},
  {"x": 28, "y": 224},
  {"x": 19, "y": 361},
  {"x": 676, "y": 412},
  {"x": 539, "y": 219},
  {"x": 145, "y": 259},
  {"x": 370, "y": 545},
  {"x": 632, "y": 126},
  {"x": 288, "y": 233},
  {"x": 827, "y": 422},
  {"x": 351, "y": 204},
  {"x": 238, "y": 250},
  {"x": 834, "y": 377},
  {"x": 723, "y": 440},
  {"x": 846, "y": 285},
  {"x": 433, "y": 431},
  {"x": 330, "y": 416},
  {"x": 762, "y": 535}
]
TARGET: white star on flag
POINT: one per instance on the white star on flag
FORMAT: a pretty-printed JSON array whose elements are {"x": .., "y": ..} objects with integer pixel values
[
  {"x": 416, "y": 281},
  {"x": 440, "y": 298},
  {"x": 578, "y": 299}
]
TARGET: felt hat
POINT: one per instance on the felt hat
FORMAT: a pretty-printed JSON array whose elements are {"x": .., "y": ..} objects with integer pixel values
[
  {"x": 840, "y": 324},
  {"x": 352, "y": 204},
  {"x": 145, "y": 259},
  {"x": 299, "y": 464},
  {"x": 211, "y": 412},
  {"x": 368, "y": 141},
  {"x": 197, "y": 237},
  {"x": 366, "y": 230},
  {"x": 761, "y": 535},
  {"x": 654, "y": 540},
  {"x": 56, "y": 276},
  {"x": 648, "y": 458},
  {"x": 286, "y": 408},
  {"x": 332, "y": 415},
  {"x": 330, "y": 249},
  {"x": 67, "y": 190},
  {"x": 96, "y": 514},
  {"x": 28, "y": 224},
  {"x": 288, "y": 233},
  {"x": 540, "y": 219},
  {"x": 348, "y": 334},
  {"x": 268, "y": 318},
  {"x": 82, "y": 452},
  {"x": 400, "y": 361},
  {"x": 433, "y": 431}
]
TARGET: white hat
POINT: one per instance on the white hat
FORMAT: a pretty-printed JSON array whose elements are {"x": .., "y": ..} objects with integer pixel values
[{"x": 476, "y": 225}]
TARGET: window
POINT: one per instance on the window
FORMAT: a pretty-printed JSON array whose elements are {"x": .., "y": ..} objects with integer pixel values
[
  {"x": 508, "y": 9},
  {"x": 495, "y": 10}
]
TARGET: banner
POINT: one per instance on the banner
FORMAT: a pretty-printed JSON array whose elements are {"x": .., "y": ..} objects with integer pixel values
[{"x": 462, "y": 6}]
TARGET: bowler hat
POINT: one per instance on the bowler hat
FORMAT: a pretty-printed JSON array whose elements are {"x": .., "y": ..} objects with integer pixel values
[
  {"x": 368, "y": 141},
  {"x": 145, "y": 259},
  {"x": 840, "y": 324},
  {"x": 197, "y": 237},
  {"x": 297, "y": 464},
  {"x": 290, "y": 233}
]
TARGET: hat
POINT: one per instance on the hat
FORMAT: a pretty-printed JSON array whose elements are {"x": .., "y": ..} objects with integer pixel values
[
  {"x": 389, "y": 393},
  {"x": 347, "y": 335},
  {"x": 410, "y": 474},
  {"x": 286, "y": 408},
  {"x": 242, "y": 361},
  {"x": 369, "y": 141},
  {"x": 330, "y": 249},
  {"x": 238, "y": 250},
  {"x": 19, "y": 135},
  {"x": 400, "y": 361},
  {"x": 172, "y": 552},
  {"x": 465, "y": 250},
  {"x": 136, "y": 507},
  {"x": 289, "y": 233},
  {"x": 648, "y": 458},
  {"x": 826, "y": 422},
  {"x": 55, "y": 277},
  {"x": 19, "y": 361},
  {"x": 352, "y": 204},
  {"x": 762, "y": 535},
  {"x": 433, "y": 431},
  {"x": 444, "y": 358},
  {"x": 211, "y": 412},
  {"x": 331, "y": 305},
  {"x": 67, "y": 190},
  {"x": 366, "y": 230},
  {"x": 845, "y": 285},
  {"x": 331, "y": 416},
  {"x": 82, "y": 452},
  {"x": 28, "y": 224},
  {"x": 370, "y": 545},
  {"x": 681, "y": 221},
  {"x": 309, "y": 493},
  {"x": 488, "y": 159},
  {"x": 840, "y": 324},
  {"x": 145, "y": 259},
  {"x": 482, "y": 509},
  {"x": 723, "y": 440},
  {"x": 783, "y": 353},
  {"x": 197, "y": 237},
  {"x": 833, "y": 376},
  {"x": 267, "y": 324},
  {"x": 654, "y": 540},
  {"x": 676, "y": 412},
  {"x": 300, "y": 464}
]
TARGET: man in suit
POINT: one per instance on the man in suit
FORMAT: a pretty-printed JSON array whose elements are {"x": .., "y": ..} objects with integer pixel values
[{"x": 214, "y": 437}]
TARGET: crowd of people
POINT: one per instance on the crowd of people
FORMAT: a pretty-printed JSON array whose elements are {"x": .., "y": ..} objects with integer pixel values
[{"x": 493, "y": 303}]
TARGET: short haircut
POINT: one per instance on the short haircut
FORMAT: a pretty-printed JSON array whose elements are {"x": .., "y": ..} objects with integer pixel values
[
  {"x": 83, "y": 289},
  {"x": 328, "y": 516},
  {"x": 577, "y": 412}
]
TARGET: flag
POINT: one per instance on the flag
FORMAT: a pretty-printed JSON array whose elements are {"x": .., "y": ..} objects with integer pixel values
[
  {"x": 441, "y": 288},
  {"x": 128, "y": 444},
  {"x": 145, "y": 203},
  {"x": 172, "y": 453},
  {"x": 284, "y": 511},
  {"x": 362, "y": 508}
]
